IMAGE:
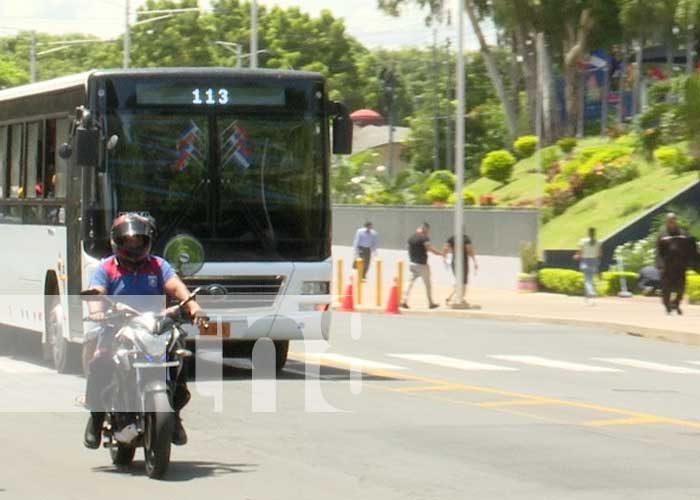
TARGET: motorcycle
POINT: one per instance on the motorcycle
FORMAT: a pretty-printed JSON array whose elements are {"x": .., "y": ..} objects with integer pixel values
[{"x": 148, "y": 355}]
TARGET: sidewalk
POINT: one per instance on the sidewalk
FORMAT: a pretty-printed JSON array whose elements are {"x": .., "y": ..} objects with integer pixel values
[{"x": 639, "y": 316}]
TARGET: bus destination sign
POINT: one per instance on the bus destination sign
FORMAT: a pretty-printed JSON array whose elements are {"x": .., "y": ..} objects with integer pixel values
[{"x": 179, "y": 94}]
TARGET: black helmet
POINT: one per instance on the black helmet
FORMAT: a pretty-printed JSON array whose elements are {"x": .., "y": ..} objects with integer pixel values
[{"x": 133, "y": 250}]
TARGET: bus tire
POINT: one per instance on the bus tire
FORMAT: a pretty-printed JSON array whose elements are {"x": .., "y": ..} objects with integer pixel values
[
  {"x": 57, "y": 349},
  {"x": 281, "y": 352}
]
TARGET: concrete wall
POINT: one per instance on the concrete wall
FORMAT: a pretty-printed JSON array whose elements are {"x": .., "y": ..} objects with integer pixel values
[{"x": 495, "y": 232}]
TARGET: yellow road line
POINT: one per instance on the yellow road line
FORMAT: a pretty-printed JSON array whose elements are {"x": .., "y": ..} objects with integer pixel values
[
  {"x": 401, "y": 376},
  {"x": 429, "y": 388},
  {"x": 512, "y": 402},
  {"x": 624, "y": 421}
]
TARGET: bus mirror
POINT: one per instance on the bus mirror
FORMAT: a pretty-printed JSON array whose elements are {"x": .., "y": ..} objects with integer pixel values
[
  {"x": 87, "y": 141},
  {"x": 342, "y": 130},
  {"x": 65, "y": 151}
]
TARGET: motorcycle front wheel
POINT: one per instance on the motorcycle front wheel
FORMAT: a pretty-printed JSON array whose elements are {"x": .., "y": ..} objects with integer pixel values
[
  {"x": 121, "y": 454},
  {"x": 158, "y": 435}
]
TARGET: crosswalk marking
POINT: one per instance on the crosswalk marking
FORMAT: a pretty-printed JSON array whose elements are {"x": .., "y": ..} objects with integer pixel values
[
  {"x": 459, "y": 364},
  {"x": 648, "y": 365},
  {"x": 350, "y": 361},
  {"x": 553, "y": 363},
  {"x": 9, "y": 365}
]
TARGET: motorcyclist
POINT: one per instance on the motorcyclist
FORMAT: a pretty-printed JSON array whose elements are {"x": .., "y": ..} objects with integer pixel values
[{"x": 136, "y": 276}]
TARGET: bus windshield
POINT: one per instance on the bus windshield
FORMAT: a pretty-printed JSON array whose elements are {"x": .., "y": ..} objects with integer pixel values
[{"x": 249, "y": 187}]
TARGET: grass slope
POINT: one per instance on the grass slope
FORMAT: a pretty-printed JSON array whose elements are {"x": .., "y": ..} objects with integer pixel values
[{"x": 611, "y": 209}]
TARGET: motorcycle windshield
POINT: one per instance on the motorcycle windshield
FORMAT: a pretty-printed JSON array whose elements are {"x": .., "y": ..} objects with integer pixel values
[{"x": 247, "y": 186}]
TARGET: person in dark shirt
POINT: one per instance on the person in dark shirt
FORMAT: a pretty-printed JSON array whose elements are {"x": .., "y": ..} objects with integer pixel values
[
  {"x": 674, "y": 250},
  {"x": 467, "y": 252},
  {"x": 418, "y": 247}
]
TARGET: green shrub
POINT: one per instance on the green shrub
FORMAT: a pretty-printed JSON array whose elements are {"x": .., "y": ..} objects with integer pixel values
[
  {"x": 630, "y": 140},
  {"x": 559, "y": 196},
  {"x": 468, "y": 197},
  {"x": 525, "y": 146},
  {"x": 606, "y": 166},
  {"x": 672, "y": 158},
  {"x": 550, "y": 155},
  {"x": 609, "y": 283},
  {"x": 498, "y": 165},
  {"x": 561, "y": 281},
  {"x": 444, "y": 177},
  {"x": 528, "y": 257},
  {"x": 567, "y": 144},
  {"x": 692, "y": 287},
  {"x": 438, "y": 193}
]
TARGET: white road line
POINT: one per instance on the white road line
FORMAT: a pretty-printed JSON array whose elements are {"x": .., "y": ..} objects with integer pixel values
[
  {"x": 348, "y": 360},
  {"x": 9, "y": 365},
  {"x": 459, "y": 364},
  {"x": 553, "y": 363},
  {"x": 648, "y": 365}
]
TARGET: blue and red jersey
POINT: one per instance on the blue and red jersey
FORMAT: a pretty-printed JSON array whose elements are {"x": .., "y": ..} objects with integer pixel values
[{"x": 148, "y": 280}]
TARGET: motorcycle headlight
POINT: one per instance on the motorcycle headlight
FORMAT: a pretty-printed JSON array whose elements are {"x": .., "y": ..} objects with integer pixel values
[{"x": 153, "y": 345}]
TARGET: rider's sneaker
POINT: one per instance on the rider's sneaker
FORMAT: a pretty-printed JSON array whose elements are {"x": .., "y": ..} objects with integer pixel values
[
  {"x": 93, "y": 433},
  {"x": 179, "y": 434}
]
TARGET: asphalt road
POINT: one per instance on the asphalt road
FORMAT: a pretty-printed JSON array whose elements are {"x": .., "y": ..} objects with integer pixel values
[{"x": 400, "y": 408}]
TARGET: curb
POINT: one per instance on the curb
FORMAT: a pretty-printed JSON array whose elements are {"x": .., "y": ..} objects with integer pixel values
[{"x": 680, "y": 337}]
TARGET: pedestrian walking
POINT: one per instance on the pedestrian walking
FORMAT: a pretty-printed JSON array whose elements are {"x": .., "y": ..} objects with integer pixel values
[
  {"x": 365, "y": 245},
  {"x": 588, "y": 255},
  {"x": 468, "y": 253},
  {"x": 674, "y": 251},
  {"x": 418, "y": 247}
]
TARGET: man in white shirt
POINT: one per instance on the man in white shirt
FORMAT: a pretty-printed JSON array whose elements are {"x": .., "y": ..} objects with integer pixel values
[{"x": 365, "y": 245}]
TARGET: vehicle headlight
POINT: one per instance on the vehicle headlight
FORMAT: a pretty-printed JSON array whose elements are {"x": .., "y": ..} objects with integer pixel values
[
  {"x": 315, "y": 288},
  {"x": 154, "y": 345}
]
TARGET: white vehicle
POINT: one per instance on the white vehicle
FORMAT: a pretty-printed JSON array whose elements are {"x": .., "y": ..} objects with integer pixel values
[{"x": 232, "y": 164}]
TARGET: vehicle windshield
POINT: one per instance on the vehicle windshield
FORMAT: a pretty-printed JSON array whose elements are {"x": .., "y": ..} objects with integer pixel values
[{"x": 247, "y": 186}]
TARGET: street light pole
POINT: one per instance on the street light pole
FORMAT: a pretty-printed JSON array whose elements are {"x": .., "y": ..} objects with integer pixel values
[
  {"x": 458, "y": 253},
  {"x": 127, "y": 33},
  {"x": 254, "y": 34}
]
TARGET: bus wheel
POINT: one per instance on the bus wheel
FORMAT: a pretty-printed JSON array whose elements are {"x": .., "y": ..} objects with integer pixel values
[
  {"x": 281, "y": 352},
  {"x": 64, "y": 355}
]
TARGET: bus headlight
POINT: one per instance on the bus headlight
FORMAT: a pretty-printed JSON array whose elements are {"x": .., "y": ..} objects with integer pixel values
[{"x": 315, "y": 288}]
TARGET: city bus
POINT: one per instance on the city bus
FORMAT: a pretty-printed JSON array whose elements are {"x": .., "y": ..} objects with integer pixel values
[{"x": 233, "y": 165}]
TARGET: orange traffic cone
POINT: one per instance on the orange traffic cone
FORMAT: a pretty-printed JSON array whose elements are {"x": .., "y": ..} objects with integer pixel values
[
  {"x": 392, "y": 305},
  {"x": 346, "y": 304}
]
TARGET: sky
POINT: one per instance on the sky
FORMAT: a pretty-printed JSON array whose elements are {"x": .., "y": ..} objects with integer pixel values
[{"x": 105, "y": 19}]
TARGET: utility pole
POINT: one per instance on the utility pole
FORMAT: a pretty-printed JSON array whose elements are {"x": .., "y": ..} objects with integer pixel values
[
  {"x": 448, "y": 121},
  {"x": 436, "y": 104},
  {"x": 127, "y": 32},
  {"x": 459, "y": 163},
  {"x": 254, "y": 34},
  {"x": 32, "y": 59}
]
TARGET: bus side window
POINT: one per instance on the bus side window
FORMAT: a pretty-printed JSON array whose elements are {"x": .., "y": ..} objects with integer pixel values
[
  {"x": 50, "y": 155},
  {"x": 4, "y": 153},
  {"x": 34, "y": 183},
  {"x": 16, "y": 190},
  {"x": 58, "y": 179}
]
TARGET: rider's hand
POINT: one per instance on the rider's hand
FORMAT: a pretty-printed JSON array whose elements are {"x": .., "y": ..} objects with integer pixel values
[{"x": 198, "y": 316}]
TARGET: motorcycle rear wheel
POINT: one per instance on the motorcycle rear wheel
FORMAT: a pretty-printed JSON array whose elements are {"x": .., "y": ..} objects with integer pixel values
[{"x": 158, "y": 436}]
